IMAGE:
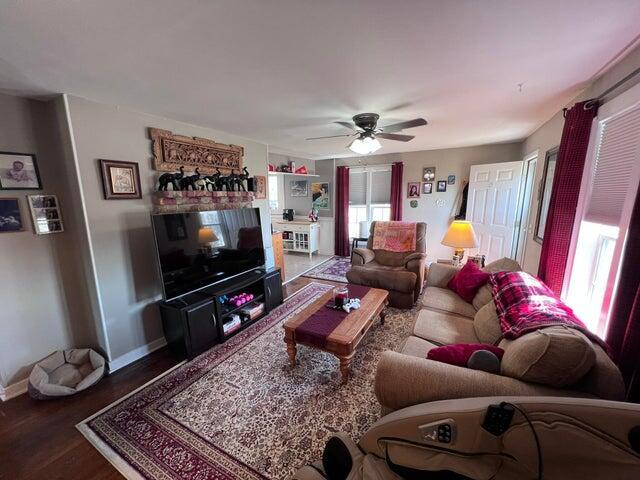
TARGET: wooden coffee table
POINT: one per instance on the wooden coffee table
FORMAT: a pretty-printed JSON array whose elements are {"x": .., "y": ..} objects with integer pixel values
[{"x": 344, "y": 339}]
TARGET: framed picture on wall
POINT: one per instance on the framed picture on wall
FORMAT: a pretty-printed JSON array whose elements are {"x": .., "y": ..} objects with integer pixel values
[
  {"x": 120, "y": 180},
  {"x": 427, "y": 188},
  {"x": 10, "y": 216},
  {"x": 260, "y": 186},
  {"x": 19, "y": 171},
  {"x": 441, "y": 186},
  {"x": 299, "y": 188},
  {"x": 413, "y": 189},
  {"x": 45, "y": 214},
  {"x": 320, "y": 195},
  {"x": 428, "y": 174}
]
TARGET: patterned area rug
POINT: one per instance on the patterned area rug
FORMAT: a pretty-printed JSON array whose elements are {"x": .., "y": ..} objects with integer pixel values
[
  {"x": 333, "y": 269},
  {"x": 239, "y": 411}
]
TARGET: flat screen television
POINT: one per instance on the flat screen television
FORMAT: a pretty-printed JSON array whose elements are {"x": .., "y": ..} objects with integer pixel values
[{"x": 199, "y": 249}]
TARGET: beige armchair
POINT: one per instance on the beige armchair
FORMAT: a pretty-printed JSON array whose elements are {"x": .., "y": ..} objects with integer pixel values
[{"x": 401, "y": 273}]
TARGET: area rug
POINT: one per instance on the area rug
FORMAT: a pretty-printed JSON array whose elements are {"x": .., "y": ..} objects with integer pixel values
[
  {"x": 333, "y": 269},
  {"x": 239, "y": 411}
]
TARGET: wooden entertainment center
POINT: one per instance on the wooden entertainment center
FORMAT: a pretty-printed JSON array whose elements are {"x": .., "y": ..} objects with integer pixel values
[{"x": 195, "y": 322}]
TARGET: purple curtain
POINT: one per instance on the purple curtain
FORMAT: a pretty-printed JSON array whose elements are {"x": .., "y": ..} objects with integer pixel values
[
  {"x": 396, "y": 190},
  {"x": 342, "y": 212},
  {"x": 623, "y": 332},
  {"x": 564, "y": 195}
]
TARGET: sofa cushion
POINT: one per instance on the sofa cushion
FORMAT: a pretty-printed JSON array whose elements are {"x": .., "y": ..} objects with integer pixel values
[
  {"x": 439, "y": 274},
  {"x": 445, "y": 300},
  {"x": 604, "y": 379},
  {"x": 417, "y": 347},
  {"x": 502, "y": 265},
  {"x": 483, "y": 297},
  {"x": 459, "y": 353},
  {"x": 487, "y": 325},
  {"x": 468, "y": 281},
  {"x": 556, "y": 356},
  {"x": 443, "y": 328},
  {"x": 380, "y": 276}
]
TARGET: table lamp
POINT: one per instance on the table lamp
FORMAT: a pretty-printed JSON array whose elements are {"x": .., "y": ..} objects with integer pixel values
[
  {"x": 460, "y": 236},
  {"x": 206, "y": 236}
]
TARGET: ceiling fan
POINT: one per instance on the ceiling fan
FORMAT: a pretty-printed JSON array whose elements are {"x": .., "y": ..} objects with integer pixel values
[{"x": 367, "y": 132}]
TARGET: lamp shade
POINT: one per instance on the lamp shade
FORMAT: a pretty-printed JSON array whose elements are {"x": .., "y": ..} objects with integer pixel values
[
  {"x": 460, "y": 235},
  {"x": 207, "y": 235}
]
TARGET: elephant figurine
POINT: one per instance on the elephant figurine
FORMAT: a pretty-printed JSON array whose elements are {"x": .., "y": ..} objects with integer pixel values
[
  {"x": 170, "y": 178},
  {"x": 190, "y": 181},
  {"x": 241, "y": 178}
]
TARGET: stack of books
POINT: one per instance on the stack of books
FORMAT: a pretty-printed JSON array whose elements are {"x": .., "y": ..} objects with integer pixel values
[{"x": 253, "y": 311}]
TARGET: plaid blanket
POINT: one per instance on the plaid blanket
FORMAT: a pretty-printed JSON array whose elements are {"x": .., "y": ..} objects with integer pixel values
[
  {"x": 395, "y": 236},
  {"x": 524, "y": 304}
]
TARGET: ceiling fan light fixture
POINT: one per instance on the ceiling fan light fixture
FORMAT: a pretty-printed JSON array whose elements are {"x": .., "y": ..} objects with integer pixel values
[{"x": 365, "y": 145}]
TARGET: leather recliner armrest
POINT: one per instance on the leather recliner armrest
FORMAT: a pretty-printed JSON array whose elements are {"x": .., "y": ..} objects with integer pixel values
[
  {"x": 416, "y": 263},
  {"x": 361, "y": 256}
]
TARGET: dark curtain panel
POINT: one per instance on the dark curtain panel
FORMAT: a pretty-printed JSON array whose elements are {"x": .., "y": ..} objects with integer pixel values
[
  {"x": 564, "y": 195},
  {"x": 397, "y": 170},
  {"x": 623, "y": 333},
  {"x": 342, "y": 212}
]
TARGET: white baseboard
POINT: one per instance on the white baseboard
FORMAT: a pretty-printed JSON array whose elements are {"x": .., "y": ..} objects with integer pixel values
[
  {"x": 137, "y": 354},
  {"x": 13, "y": 390}
]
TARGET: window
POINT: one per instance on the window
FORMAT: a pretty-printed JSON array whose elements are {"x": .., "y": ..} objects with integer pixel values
[
  {"x": 607, "y": 194},
  {"x": 369, "y": 197},
  {"x": 273, "y": 192}
]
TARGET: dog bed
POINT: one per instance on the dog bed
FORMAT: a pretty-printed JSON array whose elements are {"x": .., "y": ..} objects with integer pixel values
[{"x": 65, "y": 372}]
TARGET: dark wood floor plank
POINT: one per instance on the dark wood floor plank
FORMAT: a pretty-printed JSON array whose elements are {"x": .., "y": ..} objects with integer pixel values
[{"x": 38, "y": 439}]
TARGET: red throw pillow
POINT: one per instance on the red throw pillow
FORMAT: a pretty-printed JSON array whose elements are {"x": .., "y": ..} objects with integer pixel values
[
  {"x": 468, "y": 281},
  {"x": 459, "y": 353}
]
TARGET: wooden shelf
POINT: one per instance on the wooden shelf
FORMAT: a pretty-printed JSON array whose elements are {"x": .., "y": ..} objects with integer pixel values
[{"x": 294, "y": 174}]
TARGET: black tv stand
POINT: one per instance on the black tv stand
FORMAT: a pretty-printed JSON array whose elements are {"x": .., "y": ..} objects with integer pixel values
[{"x": 196, "y": 322}]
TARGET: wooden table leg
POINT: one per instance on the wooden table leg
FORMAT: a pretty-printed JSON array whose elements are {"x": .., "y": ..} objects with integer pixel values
[
  {"x": 291, "y": 351},
  {"x": 345, "y": 362},
  {"x": 383, "y": 315}
]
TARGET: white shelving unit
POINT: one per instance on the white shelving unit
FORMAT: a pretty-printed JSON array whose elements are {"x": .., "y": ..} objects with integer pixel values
[
  {"x": 299, "y": 236},
  {"x": 294, "y": 174}
]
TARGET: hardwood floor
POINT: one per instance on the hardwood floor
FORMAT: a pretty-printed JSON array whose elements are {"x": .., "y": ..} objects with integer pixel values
[{"x": 38, "y": 439}]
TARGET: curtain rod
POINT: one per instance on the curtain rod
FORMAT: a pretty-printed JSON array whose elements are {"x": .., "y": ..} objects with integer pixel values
[{"x": 591, "y": 103}]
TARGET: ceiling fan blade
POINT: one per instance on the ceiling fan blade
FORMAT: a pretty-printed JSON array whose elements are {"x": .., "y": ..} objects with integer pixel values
[
  {"x": 396, "y": 127},
  {"x": 348, "y": 125},
  {"x": 331, "y": 136},
  {"x": 395, "y": 136}
]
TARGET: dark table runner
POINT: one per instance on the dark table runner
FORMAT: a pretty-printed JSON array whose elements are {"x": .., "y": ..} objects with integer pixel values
[{"x": 316, "y": 329}]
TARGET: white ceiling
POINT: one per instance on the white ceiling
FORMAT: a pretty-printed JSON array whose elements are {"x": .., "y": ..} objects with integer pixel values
[{"x": 278, "y": 71}]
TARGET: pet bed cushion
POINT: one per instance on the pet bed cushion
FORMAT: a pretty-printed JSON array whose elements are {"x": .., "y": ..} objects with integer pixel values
[{"x": 65, "y": 372}]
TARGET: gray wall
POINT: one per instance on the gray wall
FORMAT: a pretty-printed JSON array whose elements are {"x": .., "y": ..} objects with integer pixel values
[
  {"x": 453, "y": 161},
  {"x": 45, "y": 306},
  {"x": 549, "y": 134},
  {"x": 119, "y": 230}
]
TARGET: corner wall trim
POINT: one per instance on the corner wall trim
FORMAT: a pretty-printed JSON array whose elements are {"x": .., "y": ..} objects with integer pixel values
[
  {"x": 13, "y": 390},
  {"x": 136, "y": 354}
]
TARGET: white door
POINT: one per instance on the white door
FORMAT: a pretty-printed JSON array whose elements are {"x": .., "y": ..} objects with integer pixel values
[
  {"x": 525, "y": 218},
  {"x": 493, "y": 207}
]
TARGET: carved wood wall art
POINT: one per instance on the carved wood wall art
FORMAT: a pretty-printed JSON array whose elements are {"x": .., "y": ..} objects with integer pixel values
[{"x": 171, "y": 151}]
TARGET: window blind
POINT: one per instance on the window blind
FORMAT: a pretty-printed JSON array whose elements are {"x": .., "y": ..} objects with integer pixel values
[
  {"x": 381, "y": 187},
  {"x": 357, "y": 188},
  {"x": 617, "y": 150}
]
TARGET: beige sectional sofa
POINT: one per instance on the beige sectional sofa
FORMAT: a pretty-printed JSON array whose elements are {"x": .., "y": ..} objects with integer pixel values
[{"x": 555, "y": 361}]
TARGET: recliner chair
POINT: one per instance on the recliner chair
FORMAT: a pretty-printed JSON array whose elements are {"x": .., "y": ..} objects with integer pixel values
[
  {"x": 400, "y": 273},
  {"x": 491, "y": 438}
]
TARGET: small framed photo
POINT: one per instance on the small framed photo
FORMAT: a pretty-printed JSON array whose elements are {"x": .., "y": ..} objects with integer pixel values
[
  {"x": 428, "y": 174},
  {"x": 442, "y": 186},
  {"x": 45, "y": 214},
  {"x": 451, "y": 179},
  {"x": 320, "y": 195},
  {"x": 413, "y": 190},
  {"x": 120, "y": 180},
  {"x": 19, "y": 171},
  {"x": 427, "y": 188},
  {"x": 299, "y": 188},
  {"x": 260, "y": 186},
  {"x": 10, "y": 216}
]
